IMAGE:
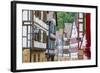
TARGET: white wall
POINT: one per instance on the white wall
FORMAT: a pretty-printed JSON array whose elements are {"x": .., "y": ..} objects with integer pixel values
[{"x": 5, "y": 36}]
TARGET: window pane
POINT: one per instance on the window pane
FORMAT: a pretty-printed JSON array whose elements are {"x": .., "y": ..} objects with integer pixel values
[
  {"x": 25, "y": 15},
  {"x": 38, "y": 14},
  {"x": 80, "y": 20},
  {"x": 24, "y": 42},
  {"x": 44, "y": 37},
  {"x": 29, "y": 37},
  {"x": 41, "y": 36},
  {"x": 36, "y": 30},
  {"x": 44, "y": 16},
  {"x": 52, "y": 44},
  {"x": 31, "y": 15},
  {"x": 81, "y": 27},
  {"x": 29, "y": 44},
  {"x": 24, "y": 31},
  {"x": 80, "y": 15},
  {"x": 28, "y": 29}
]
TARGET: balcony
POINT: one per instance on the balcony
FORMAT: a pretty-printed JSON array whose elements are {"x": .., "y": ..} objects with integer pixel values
[
  {"x": 41, "y": 23},
  {"x": 39, "y": 45}
]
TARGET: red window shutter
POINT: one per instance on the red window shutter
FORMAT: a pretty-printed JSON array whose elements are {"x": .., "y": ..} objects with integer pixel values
[{"x": 88, "y": 36}]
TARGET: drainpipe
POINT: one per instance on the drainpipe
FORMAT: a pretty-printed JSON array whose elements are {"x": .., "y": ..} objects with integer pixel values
[{"x": 48, "y": 46}]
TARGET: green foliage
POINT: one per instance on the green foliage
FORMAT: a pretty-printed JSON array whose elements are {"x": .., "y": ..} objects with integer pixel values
[{"x": 64, "y": 17}]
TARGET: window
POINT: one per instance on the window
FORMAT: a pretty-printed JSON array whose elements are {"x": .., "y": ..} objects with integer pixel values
[
  {"x": 80, "y": 27},
  {"x": 26, "y": 36},
  {"x": 52, "y": 44},
  {"x": 27, "y": 15},
  {"x": 44, "y": 16},
  {"x": 36, "y": 30},
  {"x": 24, "y": 42},
  {"x": 26, "y": 29},
  {"x": 38, "y": 14},
  {"x": 80, "y": 15},
  {"x": 40, "y": 35},
  {"x": 44, "y": 37}
]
